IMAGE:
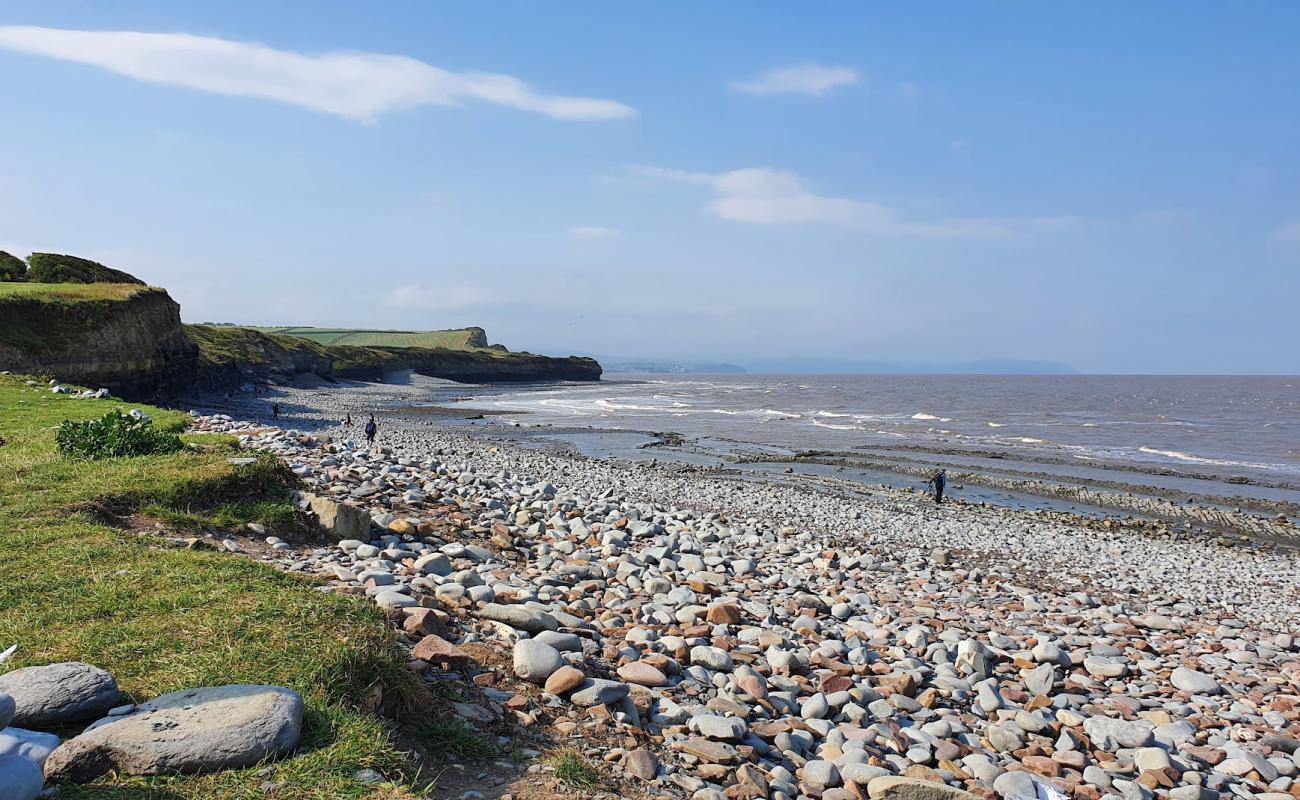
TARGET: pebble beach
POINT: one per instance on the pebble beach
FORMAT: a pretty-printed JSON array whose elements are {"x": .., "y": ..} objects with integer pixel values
[{"x": 708, "y": 637}]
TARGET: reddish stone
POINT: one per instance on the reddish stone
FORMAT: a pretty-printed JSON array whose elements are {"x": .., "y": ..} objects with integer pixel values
[
  {"x": 752, "y": 685},
  {"x": 517, "y": 702},
  {"x": 834, "y": 683},
  {"x": 1042, "y": 765},
  {"x": 1070, "y": 758},
  {"x": 564, "y": 679},
  {"x": 1211, "y": 756},
  {"x": 929, "y": 698},
  {"x": 425, "y": 622},
  {"x": 903, "y": 683},
  {"x": 437, "y": 650},
  {"x": 723, "y": 614}
]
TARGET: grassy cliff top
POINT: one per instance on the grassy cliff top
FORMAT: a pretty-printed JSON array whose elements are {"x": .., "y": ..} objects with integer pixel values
[
  {"x": 220, "y": 345},
  {"x": 71, "y": 292},
  {"x": 454, "y": 339},
  {"x": 50, "y": 315}
]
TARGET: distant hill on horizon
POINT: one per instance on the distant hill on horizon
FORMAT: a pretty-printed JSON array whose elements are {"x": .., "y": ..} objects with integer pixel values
[
  {"x": 834, "y": 366},
  {"x": 663, "y": 365}
]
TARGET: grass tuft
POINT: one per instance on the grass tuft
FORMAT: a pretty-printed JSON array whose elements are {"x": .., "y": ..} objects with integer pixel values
[
  {"x": 446, "y": 735},
  {"x": 571, "y": 768}
]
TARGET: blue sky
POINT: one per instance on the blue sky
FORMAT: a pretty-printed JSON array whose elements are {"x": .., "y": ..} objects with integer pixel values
[{"x": 1114, "y": 186}]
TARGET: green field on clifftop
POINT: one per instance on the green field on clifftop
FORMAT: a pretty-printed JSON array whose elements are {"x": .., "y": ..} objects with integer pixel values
[{"x": 456, "y": 339}]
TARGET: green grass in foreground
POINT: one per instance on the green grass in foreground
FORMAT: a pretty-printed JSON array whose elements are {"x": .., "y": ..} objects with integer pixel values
[{"x": 163, "y": 619}]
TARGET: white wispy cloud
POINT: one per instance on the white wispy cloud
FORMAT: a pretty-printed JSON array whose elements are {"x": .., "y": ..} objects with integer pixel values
[
  {"x": 1288, "y": 234},
  {"x": 767, "y": 196},
  {"x": 813, "y": 79},
  {"x": 593, "y": 232},
  {"x": 418, "y": 297},
  {"x": 358, "y": 86}
]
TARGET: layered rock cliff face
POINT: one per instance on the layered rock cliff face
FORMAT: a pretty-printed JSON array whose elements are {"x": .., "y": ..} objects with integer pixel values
[
  {"x": 466, "y": 367},
  {"x": 132, "y": 345},
  {"x": 231, "y": 354},
  {"x": 130, "y": 340}
]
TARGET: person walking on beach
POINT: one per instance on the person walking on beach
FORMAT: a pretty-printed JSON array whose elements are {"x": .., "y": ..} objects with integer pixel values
[
  {"x": 275, "y": 411},
  {"x": 938, "y": 481},
  {"x": 371, "y": 430},
  {"x": 348, "y": 421}
]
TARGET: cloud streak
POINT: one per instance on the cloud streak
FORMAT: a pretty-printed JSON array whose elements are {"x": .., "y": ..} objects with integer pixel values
[
  {"x": 357, "y": 86},
  {"x": 767, "y": 196},
  {"x": 810, "y": 79},
  {"x": 1288, "y": 234},
  {"x": 592, "y": 232}
]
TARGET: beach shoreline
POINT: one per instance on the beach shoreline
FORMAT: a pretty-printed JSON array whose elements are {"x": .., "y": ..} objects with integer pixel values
[
  {"x": 702, "y": 634},
  {"x": 1167, "y": 501},
  {"x": 1056, "y": 543}
]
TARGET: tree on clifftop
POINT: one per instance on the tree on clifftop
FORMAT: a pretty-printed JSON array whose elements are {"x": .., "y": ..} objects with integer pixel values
[
  {"x": 12, "y": 268},
  {"x": 56, "y": 268}
]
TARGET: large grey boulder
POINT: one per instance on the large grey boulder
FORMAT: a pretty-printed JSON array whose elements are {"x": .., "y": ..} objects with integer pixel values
[
  {"x": 1194, "y": 682},
  {"x": 57, "y": 694},
  {"x": 339, "y": 520},
  {"x": 197, "y": 730},
  {"x": 520, "y": 617},
  {"x": 1112, "y": 734},
  {"x": 534, "y": 661},
  {"x": 20, "y": 778}
]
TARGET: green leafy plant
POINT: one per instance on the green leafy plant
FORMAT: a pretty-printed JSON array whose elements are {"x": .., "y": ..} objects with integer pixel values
[
  {"x": 59, "y": 268},
  {"x": 12, "y": 268},
  {"x": 114, "y": 435}
]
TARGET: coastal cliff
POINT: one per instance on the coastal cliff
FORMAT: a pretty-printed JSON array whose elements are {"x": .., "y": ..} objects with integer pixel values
[
  {"x": 129, "y": 339},
  {"x": 230, "y": 355},
  {"x": 125, "y": 337}
]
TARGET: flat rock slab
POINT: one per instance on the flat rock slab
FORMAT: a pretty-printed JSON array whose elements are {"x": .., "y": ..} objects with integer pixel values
[
  {"x": 520, "y": 617},
  {"x": 57, "y": 694},
  {"x": 194, "y": 731},
  {"x": 897, "y": 787},
  {"x": 437, "y": 650}
]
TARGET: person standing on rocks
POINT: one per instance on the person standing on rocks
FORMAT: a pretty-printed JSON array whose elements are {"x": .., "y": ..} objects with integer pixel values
[
  {"x": 938, "y": 481},
  {"x": 371, "y": 430},
  {"x": 348, "y": 420},
  {"x": 275, "y": 411}
]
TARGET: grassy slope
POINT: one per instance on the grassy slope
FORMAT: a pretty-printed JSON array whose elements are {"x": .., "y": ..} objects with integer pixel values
[
  {"x": 354, "y": 337},
  {"x": 162, "y": 619},
  {"x": 219, "y": 345}
]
